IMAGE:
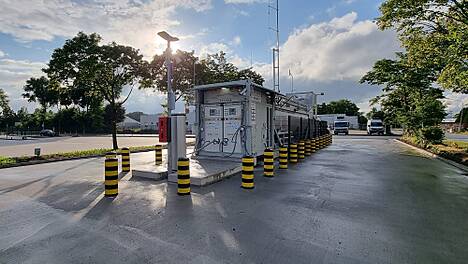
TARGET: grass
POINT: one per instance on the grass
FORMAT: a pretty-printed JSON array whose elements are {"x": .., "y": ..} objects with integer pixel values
[
  {"x": 449, "y": 149},
  {"x": 9, "y": 161}
]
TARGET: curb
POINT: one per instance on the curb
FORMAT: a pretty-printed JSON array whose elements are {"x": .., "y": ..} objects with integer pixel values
[
  {"x": 432, "y": 155},
  {"x": 35, "y": 162}
]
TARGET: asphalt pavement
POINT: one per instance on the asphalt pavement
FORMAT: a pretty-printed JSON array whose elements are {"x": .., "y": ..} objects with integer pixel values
[
  {"x": 456, "y": 137},
  {"x": 361, "y": 200},
  {"x": 17, "y": 148}
]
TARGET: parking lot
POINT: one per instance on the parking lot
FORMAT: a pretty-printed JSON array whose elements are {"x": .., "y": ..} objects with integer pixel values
[
  {"x": 361, "y": 200},
  {"x": 16, "y": 148}
]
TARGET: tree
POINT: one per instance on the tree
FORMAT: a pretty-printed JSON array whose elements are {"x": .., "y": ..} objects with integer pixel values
[
  {"x": 110, "y": 112},
  {"x": 342, "y": 106},
  {"x": 72, "y": 66},
  {"x": 408, "y": 98},
  {"x": 433, "y": 32},
  {"x": 6, "y": 114},
  {"x": 376, "y": 114},
  {"x": 91, "y": 73},
  {"x": 189, "y": 70},
  {"x": 43, "y": 91}
]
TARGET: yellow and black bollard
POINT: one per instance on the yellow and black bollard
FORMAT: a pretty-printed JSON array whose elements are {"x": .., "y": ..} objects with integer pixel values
[
  {"x": 283, "y": 157},
  {"x": 248, "y": 172},
  {"x": 111, "y": 177},
  {"x": 301, "y": 151},
  {"x": 313, "y": 146},
  {"x": 125, "y": 159},
  {"x": 158, "y": 154},
  {"x": 183, "y": 176},
  {"x": 293, "y": 153},
  {"x": 111, "y": 155},
  {"x": 321, "y": 142},
  {"x": 268, "y": 163},
  {"x": 308, "y": 147}
]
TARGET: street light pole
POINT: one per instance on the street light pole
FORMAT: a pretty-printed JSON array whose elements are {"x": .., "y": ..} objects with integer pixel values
[
  {"x": 170, "y": 93},
  {"x": 292, "y": 81}
]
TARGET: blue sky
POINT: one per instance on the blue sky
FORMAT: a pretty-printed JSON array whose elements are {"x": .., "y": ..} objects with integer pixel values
[{"x": 327, "y": 44}]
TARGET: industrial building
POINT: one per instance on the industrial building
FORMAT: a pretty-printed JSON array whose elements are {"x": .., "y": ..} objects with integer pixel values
[{"x": 239, "y": 118}]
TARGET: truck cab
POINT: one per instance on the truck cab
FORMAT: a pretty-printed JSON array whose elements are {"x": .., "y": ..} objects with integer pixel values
[
  {"x": 375, "y": 126},
  {"x": 341, "y": 126}
]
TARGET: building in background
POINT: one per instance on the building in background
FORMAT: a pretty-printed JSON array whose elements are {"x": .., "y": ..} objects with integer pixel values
[
  {"x": 150, "y": 122},
  {"x": 128, "y": 124},
  {"x": 353, "y": 120}
]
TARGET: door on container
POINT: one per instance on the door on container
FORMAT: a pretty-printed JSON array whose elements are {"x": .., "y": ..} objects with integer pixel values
[
  {"x": 232, "y": 129},
  {"x": 213, "y": 128}
]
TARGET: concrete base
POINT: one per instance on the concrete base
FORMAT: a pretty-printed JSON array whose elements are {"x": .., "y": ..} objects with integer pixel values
[
  {"x": 152, "y": 172},
  {"x": 205, "y": 171}
]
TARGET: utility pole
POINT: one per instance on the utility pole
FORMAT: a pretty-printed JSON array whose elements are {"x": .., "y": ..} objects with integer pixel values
[
  {"x": 292, "y": 80},
  {"x": 276, "y": 49}
]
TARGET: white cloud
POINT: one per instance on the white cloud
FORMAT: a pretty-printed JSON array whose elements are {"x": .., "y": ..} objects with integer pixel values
[
  {"x": 2, "y": 54},
  {"x": 236, "y": 41},
  {"x": 331, "y": 57},
  {"x": 455, "y": 102},
  {"x": 128, "y": 22},
  {"x": 13, "y": 75},
  {"x": 340, "y": 49}
]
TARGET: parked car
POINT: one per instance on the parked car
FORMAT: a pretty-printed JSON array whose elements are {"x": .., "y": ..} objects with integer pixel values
[
  {"x": 47, "y": 133},
  {"x": 375, "y": 126},
  {"x": 341, "y": 127}
]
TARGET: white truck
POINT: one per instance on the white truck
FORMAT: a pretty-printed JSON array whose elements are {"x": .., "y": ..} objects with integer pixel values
[
  {"x": 341, "y": 127},
  {"x": 375, "y": 126}
]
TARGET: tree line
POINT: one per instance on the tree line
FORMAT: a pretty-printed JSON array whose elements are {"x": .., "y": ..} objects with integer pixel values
[
  {"x": 86, "y": 84},
  {"x": 434, "y": 36}
]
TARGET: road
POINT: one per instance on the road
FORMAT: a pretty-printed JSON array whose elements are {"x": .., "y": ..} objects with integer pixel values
[
  {"x": 456, "y": 137},
  {"x": 361, "y": 200},
  {"x": 16, "y": 148}
]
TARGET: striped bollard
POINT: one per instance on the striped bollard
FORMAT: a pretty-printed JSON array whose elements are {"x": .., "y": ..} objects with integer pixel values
[
  {"x": 308, "y": 147},
  {"x": 268, "y": 163},
  {"x": 158, "y": 154},
  {"x": 125, "y": 160},
  {"x": 321, "y": 142},
  {"x": 183, "y": 176},
  {"x": 111, "y": 177},
  {"x": 314, "y": 145},
  {"x": 283, "y": 158},
  {"x": 293, "y": 153},
  {"x": 111, "y": 155},
  {"x": 301, "y": 151},
  {"x": 248, "y": 172}
]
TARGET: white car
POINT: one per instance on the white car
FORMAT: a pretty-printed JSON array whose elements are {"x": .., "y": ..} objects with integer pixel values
[
  {"x": 375, "y": 126},
  {"x": 341, "y": 127}
]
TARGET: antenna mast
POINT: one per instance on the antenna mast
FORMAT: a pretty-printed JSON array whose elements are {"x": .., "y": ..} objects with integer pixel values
[{"x": 276, "y": 49}]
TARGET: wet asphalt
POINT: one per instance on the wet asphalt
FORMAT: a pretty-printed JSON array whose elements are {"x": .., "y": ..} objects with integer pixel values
[{"x": 361, "y": 200}]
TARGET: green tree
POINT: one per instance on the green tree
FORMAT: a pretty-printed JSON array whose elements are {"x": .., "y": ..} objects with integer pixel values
[
  {"x": 91, "y": 73},
  {"x": 43, "y": 91},
  {"x": 72, "y": 66},
  {"x": 189, "y": 70},
  {"x": 118, "y": 67},
  {"x": 376, "y": 114},
  {"x": 408, "y": 98},
  {"x": 433, "y": 32},
  {"x": 6, "y": 114},
  {"x": 342, "y": 106}
]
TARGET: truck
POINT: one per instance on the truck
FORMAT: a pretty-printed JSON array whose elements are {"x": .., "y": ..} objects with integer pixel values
[
  {"x": 340, "y": 126},
  {"x": 375, "y": 126}
]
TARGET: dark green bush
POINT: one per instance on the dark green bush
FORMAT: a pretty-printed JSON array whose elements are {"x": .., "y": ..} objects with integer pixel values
[{"x": 430, "y": 135}]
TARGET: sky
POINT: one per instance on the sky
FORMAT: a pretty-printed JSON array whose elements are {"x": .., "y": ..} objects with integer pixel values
[{"x": 326, "y": 44}]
